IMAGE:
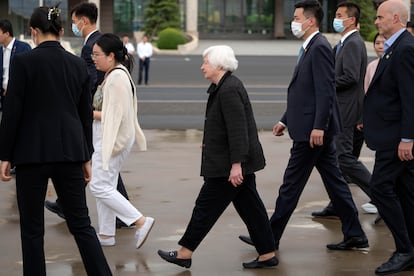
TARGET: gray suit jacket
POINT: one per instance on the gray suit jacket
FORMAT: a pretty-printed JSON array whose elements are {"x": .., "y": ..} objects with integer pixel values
[{"x": 350, "y": 68}]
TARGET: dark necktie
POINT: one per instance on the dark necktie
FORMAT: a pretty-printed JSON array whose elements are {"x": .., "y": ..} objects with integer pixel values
[
  {"x": 300, "y": 54},
  {"x": 338, "y": 47}
]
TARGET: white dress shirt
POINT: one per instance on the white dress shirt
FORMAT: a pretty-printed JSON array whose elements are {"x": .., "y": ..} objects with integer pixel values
[{"x": 6, "y": 63}]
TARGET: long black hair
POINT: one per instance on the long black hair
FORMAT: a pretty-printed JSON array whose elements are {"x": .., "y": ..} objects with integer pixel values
[{"x": 111, "y": 43}]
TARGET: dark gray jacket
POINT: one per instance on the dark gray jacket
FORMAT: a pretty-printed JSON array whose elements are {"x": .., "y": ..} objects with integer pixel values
[{"x": 230, "y": 132}]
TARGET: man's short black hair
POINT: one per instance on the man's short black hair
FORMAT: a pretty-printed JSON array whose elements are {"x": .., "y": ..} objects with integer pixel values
[
  {"x": 86, "y": 9},
  {"x": 6, "y": 27},
  {"x": 311, "y": 8},
  {"x": 352, "y": 9}
]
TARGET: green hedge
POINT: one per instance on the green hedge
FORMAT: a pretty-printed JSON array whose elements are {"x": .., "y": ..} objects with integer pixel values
[{"x": 170, "y": 38}]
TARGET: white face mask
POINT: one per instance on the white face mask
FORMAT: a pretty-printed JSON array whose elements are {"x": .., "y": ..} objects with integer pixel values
[{"x": 296, "y": 28}]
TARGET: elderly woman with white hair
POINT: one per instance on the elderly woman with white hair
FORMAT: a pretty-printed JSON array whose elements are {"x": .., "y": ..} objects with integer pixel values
[{"x": 231, "y": 154}]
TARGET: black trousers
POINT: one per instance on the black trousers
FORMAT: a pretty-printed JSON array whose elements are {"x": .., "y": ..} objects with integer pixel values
[
  {"x": 69, "y": 183},
  {"x": 214, "y": 197},
  {"x": 302, "y": 160},
  {"x": 349, "y": 164},
  {"x": 392, "y": 188}
]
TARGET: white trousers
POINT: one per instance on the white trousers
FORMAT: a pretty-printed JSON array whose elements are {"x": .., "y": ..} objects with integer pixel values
[{"x": 110, "y": 203}]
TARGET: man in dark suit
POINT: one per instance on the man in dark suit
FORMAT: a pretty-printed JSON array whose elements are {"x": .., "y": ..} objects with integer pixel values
[
  {"x": 84, "y": 17},
  {"x": 313, "y": 119},
  {"x": 11, "y": 47},
  {"x": 350, "y": 67},
  {"x": 389, "y": 130}
]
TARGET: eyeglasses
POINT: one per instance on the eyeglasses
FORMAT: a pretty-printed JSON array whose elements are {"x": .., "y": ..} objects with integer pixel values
[{"x": 95, "y": 55}]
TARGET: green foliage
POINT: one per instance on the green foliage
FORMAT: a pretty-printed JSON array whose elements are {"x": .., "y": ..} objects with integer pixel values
[
  {"x": 160, "y": 14},
  {"x": 170, "y": 38},
  {"x": 367, "y": 19}
]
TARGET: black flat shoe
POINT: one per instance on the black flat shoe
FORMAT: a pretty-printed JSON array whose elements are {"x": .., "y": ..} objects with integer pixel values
[
  {"x": 246, "y": 239},
  {"x": 354, "y": 243},
  {"x": 398, "y": 262},
  {"x": 171, "y": 257},
  {"x": 262, "y": 264}
]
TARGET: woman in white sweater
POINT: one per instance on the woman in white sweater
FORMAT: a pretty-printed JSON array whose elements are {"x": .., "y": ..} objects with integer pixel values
[{"x": 115, "y": 128}]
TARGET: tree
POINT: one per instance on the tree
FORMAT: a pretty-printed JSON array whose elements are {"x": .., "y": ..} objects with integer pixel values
[
  {"x": 366, "y": 22},
  {"x": 161, "y": 14}
]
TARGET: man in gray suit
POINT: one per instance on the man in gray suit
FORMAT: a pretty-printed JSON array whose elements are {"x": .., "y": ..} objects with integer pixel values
[{"x": 350, "y": 67}]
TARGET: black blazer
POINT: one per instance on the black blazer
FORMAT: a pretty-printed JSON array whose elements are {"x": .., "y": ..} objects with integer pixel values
[
  {"x": 47, "y": 115},
  {"x": 389, "y": 101},
  {"x": 95, "y": 75},
  {"x": 350, "y": 68},
  {"x": 311, "y": 102},
  {"x": 18, "y": 47},
  {"x": 230, "y": 132}
]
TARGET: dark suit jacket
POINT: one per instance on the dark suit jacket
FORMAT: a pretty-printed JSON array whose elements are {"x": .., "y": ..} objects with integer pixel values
[
  {"x": 350, "y": 68},
  {"x": 18, "y": 47},
  {"x": 230, "y": 133},
  {"x": 389, "y": 101},
  {"x": 311, "y": 102},
  {"x": 47, "y": 115},
  {"x": 95, "y": 75}
]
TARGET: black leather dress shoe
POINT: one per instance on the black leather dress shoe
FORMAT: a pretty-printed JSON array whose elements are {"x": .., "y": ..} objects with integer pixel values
[
  {"x": 326, "y": 213},
  {"x": 171, "y": 257},
  {"x": 354, "y": 243},
  {"x": 246, "y": 239},
  {"x": 54, "y": 207},
  {"x": 398, "y": 262},
  {"x": 262, "y": 264}
]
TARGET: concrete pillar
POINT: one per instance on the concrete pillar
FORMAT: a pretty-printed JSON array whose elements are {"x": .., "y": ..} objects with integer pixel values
[
  {"x": 192, "y": 17},
  {"x": 98, "y": 5}
]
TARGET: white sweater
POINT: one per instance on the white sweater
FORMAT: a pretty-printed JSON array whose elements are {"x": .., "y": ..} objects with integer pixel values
[{"x": 119, "y": 115}]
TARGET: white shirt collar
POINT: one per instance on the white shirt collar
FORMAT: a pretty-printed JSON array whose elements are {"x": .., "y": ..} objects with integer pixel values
[
  {"x": 305, "y": 44},
  {"x": 345, "y": 36},
  {"x": 10, "y": 45}
]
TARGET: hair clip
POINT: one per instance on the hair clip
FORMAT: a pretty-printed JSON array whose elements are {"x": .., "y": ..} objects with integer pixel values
[{"x": 54, "y": 10}]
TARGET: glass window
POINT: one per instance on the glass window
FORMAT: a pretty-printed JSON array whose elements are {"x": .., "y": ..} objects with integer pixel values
[{"x": 235, "y": 18}]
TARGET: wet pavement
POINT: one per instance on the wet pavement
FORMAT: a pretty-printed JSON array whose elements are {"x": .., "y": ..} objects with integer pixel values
[{"x": 164, "y": 182}]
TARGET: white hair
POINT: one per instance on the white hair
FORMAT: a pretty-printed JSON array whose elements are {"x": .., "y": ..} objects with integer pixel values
[{"x": 221, "y": 56}]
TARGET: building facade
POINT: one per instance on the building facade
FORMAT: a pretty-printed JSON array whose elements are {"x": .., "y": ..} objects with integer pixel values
[{"x": 208, "y": 19}]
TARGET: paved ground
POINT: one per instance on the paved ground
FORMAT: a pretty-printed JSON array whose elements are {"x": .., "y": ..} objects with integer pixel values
[{"x": 164, "y": 182}]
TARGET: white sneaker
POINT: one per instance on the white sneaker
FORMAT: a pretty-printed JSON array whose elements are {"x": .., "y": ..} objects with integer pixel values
[
  {"x": 369, "y": 208},
  {"x": 106, "y": 242},
  {"x": 142, "y": 233}
]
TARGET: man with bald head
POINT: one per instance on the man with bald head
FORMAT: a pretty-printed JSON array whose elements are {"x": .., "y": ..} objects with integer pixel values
[{"x": 389, "y": 131}]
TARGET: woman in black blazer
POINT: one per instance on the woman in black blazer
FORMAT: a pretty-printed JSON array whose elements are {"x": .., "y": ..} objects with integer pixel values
[
  {"x": 231, "y": 155},
  {"x": 46, "y": 131}
]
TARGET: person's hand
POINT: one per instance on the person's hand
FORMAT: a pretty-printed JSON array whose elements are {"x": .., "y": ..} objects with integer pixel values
[
  {"x": 5, "y": 170},
  {"x": 278, "y": 129},
  {"x": 87, "y": 171},
  {"x": 236, "y": 175},
  {"x": 405, "y": 151},
  {"x": 316, "y": 138}
]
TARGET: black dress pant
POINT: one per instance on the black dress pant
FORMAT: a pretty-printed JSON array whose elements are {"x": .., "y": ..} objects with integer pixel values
[
  {"x": 392, "y": 188},
  {"x": 349, "y": 164},
  {"x": 302, "y": 160},
  {"x": 69, "y": 183},
  {"x": 214, "y": 197}
]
